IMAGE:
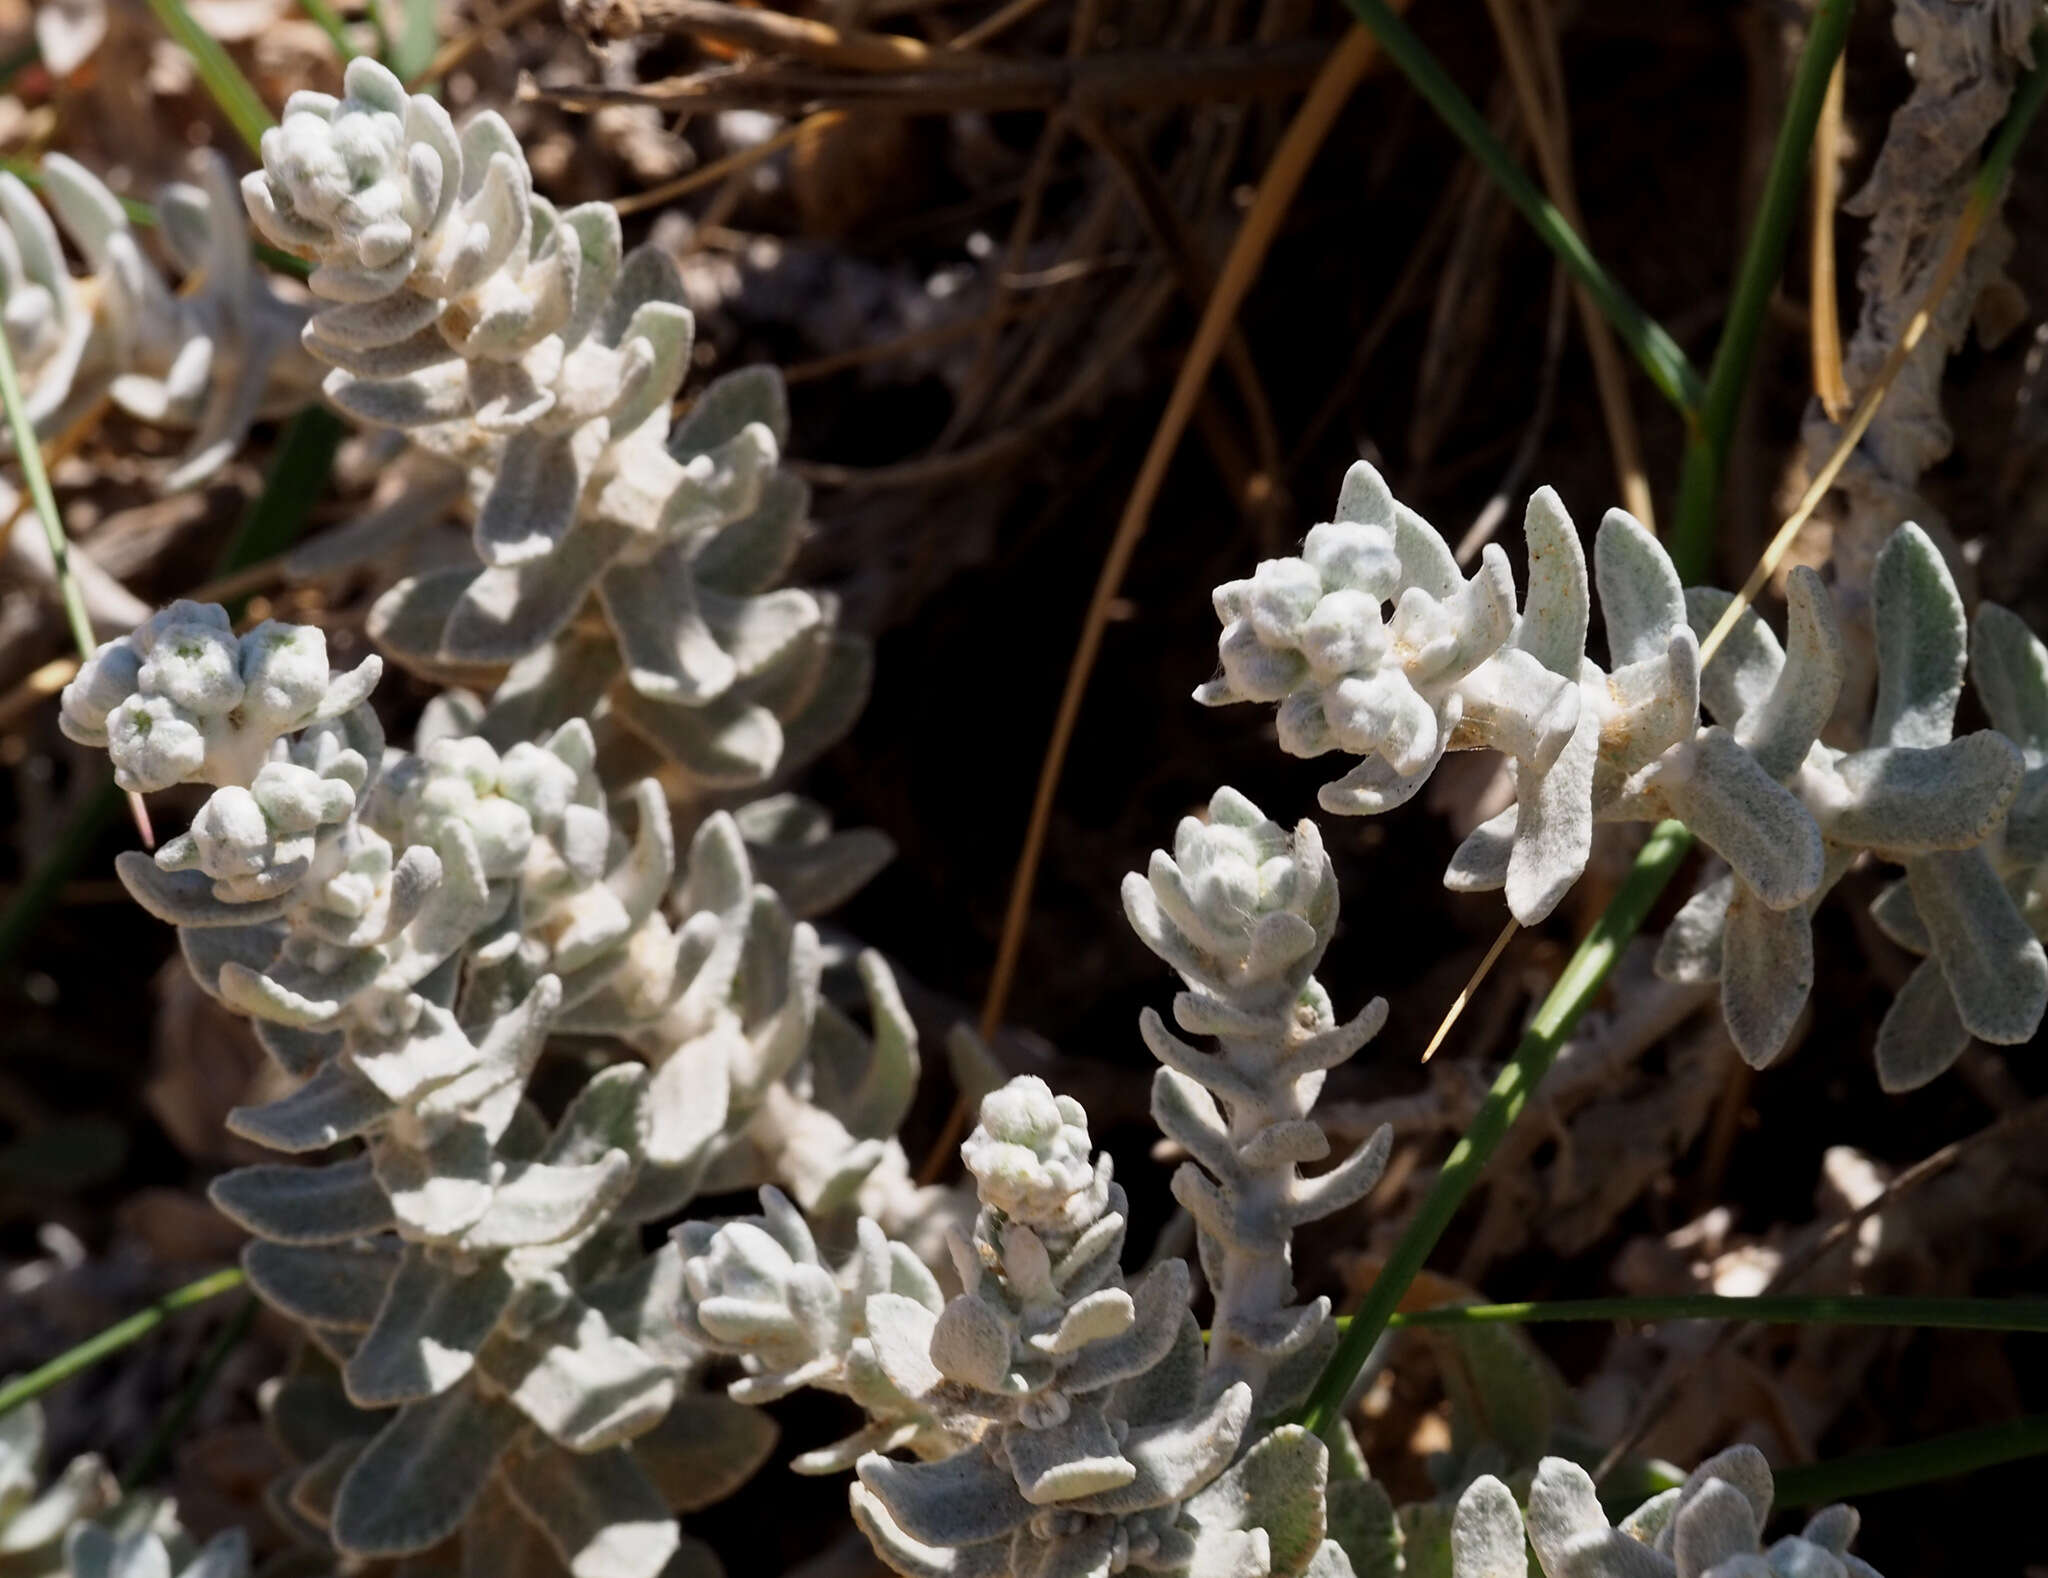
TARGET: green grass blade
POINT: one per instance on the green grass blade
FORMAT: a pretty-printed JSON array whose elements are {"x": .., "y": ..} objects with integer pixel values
[
  {"x": 2027, "y": 95},
  {"x": 1658, "y": 353},
  {"x": 1763, "y": 263},
  {"x": 1945, "y": 1457},
  {"x": 409, "y": 48},
  {"x": 328, "y": 20},
  {"x": 120, "y": 1335},
  {"x": 1569, "y": 998},
  {"x": 28, "y": 451},
  {"x": 78, "y": 838},
  {"x": 234, "y": 93},
  {"x": 1933, "y": 1314},
  {"x": 296, "y": 481}
]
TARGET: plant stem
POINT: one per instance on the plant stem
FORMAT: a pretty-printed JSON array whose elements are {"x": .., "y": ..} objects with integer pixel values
[
  {"x": 234, "y": 93},
  {"x": 328, "y": 20},
  {"x": 1658, "y": 353},
  {"x": 39, "y": 888},
  {"x": 28, "y": 451},
  {"x": 1516, "y": 1083},
  {"x": 157, "y": 1450},
  {"x": 1945, "y": 1457},
  {"x": 1933, "y": 1314},
  {"x": 2027, "y": 95},
  {"x": 116, "y": 1337},
  {"x": 1763, "y": 264}
]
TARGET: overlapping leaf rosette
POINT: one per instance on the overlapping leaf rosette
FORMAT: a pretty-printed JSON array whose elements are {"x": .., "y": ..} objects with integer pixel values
[
  {"x": 1452, "y": 669},
  {"x": 1243, "y": 910},
  {"x": 211, "y": 359},
  {"x": 520, "y": 342},
  {"x": 758, "y": 1290},
  {"x": 1099, "y": 1444},
  {"x": 1710, "y": 1527}
]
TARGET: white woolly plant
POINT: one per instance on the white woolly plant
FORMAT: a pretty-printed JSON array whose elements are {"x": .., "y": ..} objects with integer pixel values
[
  {"x": 1243, "y": 910},
  {"x": 211, "y": 359},
  {"x": 520, "y": 343},
  {"x": 1099, "y": 1443},
  {"x": 1787, "y": 814},
  {"x": 1710, "y": 1527},
  {"x": 1911, "y": 796},
  {"x": 79, "y": 1526},
  {"x": 756, "y": 1289},
  {"x": 407, "y": 932}
]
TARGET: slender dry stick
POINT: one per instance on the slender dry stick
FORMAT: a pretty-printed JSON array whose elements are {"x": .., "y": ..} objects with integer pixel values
[
  {"x": 766, "y": 32},
  {"x": 1551, "y": 139},
  {"x": 458, "y": 49},
  {"x": 1706, "y": 448},
  {"x": 1824, "y": 317},
  {"x": 738, "y": 163},
  {"x": 1659, "y": 354},
  {"x": 718, "y": 169},
  {"x": 1464, "y": 998},
  {"x": 1347, "y": 65},
  {"x": 1343, "y": 71},
  {"x": 1680, "y": 1370},
  {"x": 980, "y": 376},
  {"x": 997, "y": 23}
]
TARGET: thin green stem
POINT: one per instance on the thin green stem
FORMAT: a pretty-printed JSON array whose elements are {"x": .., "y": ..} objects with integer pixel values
[
  {"x": 157, "y": 1450},
  {"x": 234, "y": 93},
  {"x": 2027, "y": 95},
  {"x": 1933, "y": 1314},
  {"x": 79, "y": 836},
  {"x": 1763, "y": 264},
  {"x": 1895, "y": 1468},
  {"x": 28, "y": 450},
  {"x": 1575, "y": 990},
  {"x": 120, "y": 1335},
  {"x": 1658, "y": 353},
  {"x": 328, "y": 20}
]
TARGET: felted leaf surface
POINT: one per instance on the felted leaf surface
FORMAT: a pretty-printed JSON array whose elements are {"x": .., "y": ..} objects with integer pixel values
[{"x": 415, "y": 1483}]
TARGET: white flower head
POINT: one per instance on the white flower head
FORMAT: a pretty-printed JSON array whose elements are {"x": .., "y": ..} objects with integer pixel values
[{"x": 1029, "y": 1155}]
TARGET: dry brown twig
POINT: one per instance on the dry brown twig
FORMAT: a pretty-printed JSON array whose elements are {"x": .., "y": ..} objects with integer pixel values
[
  {"x": 1823, "y": 316},
  {"x": 1344, "y": 69},
  {"x": 458, "y": 49},
  {"x": 1126, "y": 78},
  {"x": 762, "y": 32},
  {"x": 1527, "y": 53},
  {"x": 1681, "y": 1369}
]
